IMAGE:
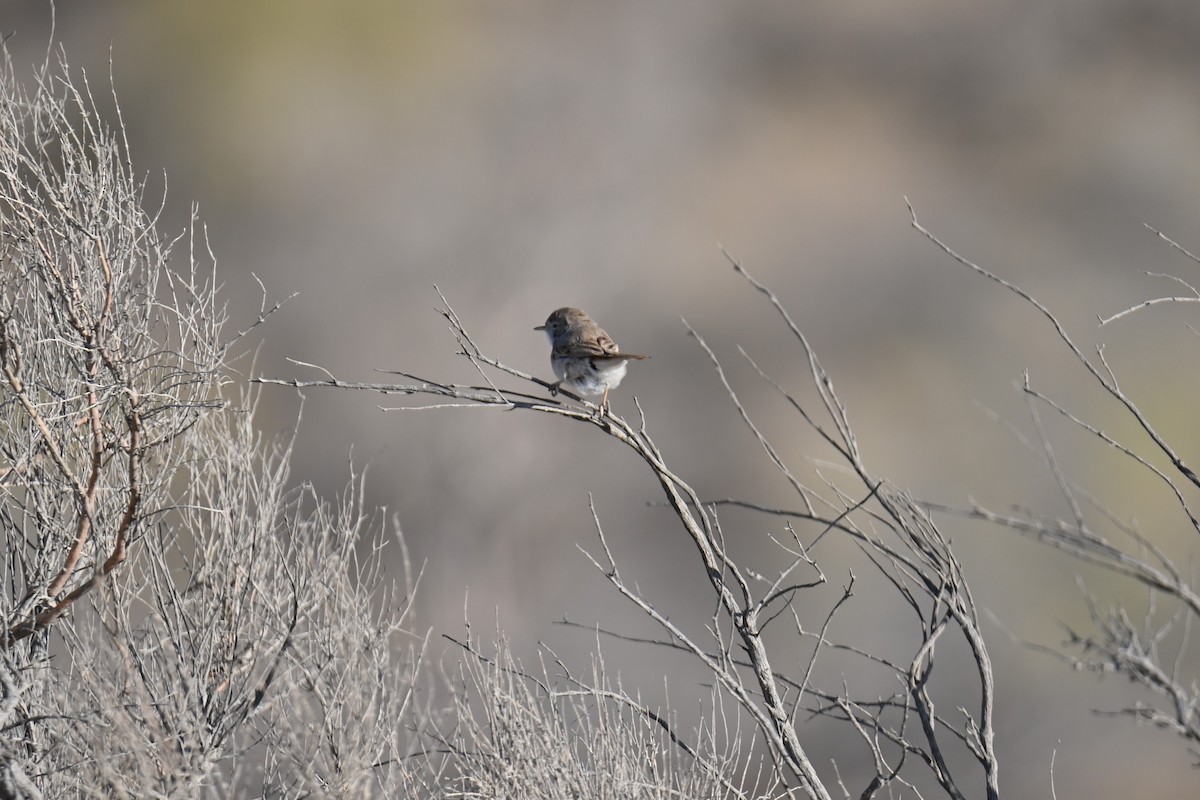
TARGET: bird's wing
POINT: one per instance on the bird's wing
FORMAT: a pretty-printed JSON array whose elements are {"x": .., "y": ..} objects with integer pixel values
[
  {"x": 600, "y": 347},
  {"x": 592, "y": 351}
]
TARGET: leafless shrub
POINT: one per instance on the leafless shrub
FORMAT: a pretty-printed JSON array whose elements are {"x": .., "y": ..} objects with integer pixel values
[
  {"x": 552, "y": 734},
  {"x": 1153, "y": 649},
  {"x": 340, "y": 727},
  {"x": 108, "y": 358},
  {"x": 179, "y": 617},
  {"x": 246, "y": 644},
  {"x": 907, "y": 741}
]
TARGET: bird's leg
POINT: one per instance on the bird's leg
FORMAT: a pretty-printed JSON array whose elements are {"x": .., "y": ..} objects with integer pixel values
[
  {"x": 603, "y": 403},
  {"x": 554, "y": 388}
]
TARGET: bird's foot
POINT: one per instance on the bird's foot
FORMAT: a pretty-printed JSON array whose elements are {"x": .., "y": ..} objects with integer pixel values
[{"x": 602, "y": 409}]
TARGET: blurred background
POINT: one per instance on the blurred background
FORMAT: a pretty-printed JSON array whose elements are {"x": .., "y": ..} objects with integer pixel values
[{"x": 533, "y": 154}]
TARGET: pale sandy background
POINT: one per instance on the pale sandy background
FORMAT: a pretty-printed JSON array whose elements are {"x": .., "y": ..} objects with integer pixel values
[{"x": 526, "y": 155}]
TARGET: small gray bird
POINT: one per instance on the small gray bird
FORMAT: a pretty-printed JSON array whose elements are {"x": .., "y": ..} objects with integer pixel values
[{"x": 584, "y": 357}]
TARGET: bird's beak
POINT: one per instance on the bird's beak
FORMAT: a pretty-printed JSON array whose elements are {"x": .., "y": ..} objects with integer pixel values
[{"x": 540, "y": 328}]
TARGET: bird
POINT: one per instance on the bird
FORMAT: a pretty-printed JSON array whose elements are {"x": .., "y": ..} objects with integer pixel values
[{"x": 583, "y": 356}]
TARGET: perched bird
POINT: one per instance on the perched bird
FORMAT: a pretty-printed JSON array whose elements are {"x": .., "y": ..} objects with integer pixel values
[{"x": 584, "y": 357}]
